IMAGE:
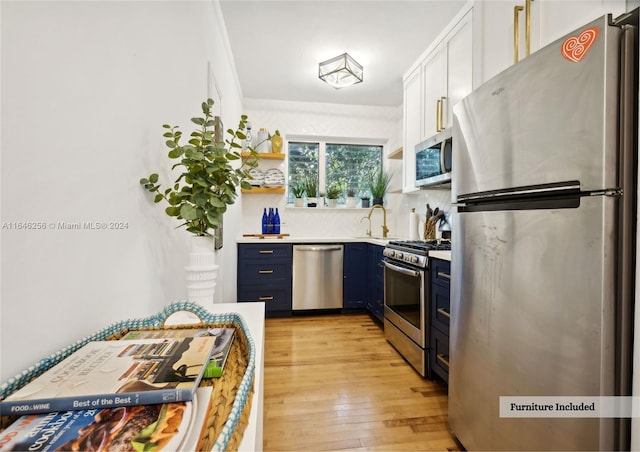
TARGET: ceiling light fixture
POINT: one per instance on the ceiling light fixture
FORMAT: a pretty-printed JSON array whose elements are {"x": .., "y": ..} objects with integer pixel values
[{"x": 340, "y": 71}]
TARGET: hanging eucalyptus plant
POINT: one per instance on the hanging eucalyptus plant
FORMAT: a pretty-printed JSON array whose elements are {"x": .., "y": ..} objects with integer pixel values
[{"x": 208, "y": 181}]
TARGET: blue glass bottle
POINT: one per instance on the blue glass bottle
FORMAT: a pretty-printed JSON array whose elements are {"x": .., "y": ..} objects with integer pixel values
[
  {"x": 276, "y": 222},
  {"x": 265, "y": 221},
  {"x": 270, "y": 221}
]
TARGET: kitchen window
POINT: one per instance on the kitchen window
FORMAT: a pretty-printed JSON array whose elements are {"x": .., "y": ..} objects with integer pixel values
[{"x": 345, "y": 164}]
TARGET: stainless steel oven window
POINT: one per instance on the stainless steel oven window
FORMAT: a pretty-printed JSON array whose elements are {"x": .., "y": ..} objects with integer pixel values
[{"x": 404, "y": 293}]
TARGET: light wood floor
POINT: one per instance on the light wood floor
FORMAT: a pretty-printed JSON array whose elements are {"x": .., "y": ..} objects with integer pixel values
[{"x": 335, "y": 383}]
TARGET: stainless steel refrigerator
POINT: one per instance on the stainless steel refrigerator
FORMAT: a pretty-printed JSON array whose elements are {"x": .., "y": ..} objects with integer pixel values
[{"x": 544, "y": 183}]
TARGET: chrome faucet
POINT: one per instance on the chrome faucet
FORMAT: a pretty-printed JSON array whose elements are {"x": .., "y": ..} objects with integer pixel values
[{"x": 385, "y": 229}]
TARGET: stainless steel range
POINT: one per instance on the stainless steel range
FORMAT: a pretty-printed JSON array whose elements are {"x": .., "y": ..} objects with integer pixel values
[{"x": 407, "y": 299}]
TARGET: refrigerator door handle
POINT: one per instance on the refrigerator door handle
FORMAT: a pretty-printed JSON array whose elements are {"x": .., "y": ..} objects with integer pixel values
[
  {"x": 516, "y": 32},
  {"x": 527, "y": 19}
]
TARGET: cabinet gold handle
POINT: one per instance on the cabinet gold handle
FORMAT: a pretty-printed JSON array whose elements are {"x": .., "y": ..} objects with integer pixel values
[
  {"x": 265, "y": 272},
  {"x": 265, "y": 298},
  {"x": 444, "y": 275},
  {"x": 438, "y": 109},
  {"x": 442, "y": 99},
  {"x": 527, "y": 20},
  {"x": 443, "y": 360},
  {"x": 444, "y": 313},
  {"x": 266, "y": 251},
  {"x": 516, "y": 31}
]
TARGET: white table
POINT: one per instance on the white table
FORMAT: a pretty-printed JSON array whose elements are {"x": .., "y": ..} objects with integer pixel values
[{"x": 253, "y": 315}]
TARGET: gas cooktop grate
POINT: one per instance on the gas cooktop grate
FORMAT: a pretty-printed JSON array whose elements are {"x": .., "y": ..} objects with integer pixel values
[{"x": 422, "y": 245}]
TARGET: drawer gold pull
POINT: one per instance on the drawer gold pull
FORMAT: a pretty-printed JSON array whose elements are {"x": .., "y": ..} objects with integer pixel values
[
  {"x": 265, "y": 251},
  {"x": 444, "y": 313},
  {"x": 443, "y": 360},
  {"x": 444, "y": 275},
  {"x": 265, "y": 272},
  {"x": 265, "y": 298}
]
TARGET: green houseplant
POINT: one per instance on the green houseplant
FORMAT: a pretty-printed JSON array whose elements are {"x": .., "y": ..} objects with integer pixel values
[
  {"x": 378, "y": 185},
  {"x": 333, "y": 192},
  {"x": 297, "y": 190},
  {"x": 311, "y": 188},
  {"x": 208, "y": 181}
]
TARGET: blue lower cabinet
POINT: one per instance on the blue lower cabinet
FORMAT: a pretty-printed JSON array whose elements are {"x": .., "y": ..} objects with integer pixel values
[
  {"x": 355, "y": 277},
  {"x": 264, "y": 274},
  {"x": 439, "y": 354},
  {"x": 440, "y": 317},
  {"x": 277, "y": 300},
  {"x": 375, "y": 296}
]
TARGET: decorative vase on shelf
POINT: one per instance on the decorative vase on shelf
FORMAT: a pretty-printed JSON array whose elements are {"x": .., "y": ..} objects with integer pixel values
[
  {"x": 351, "y": 202},
  {"x": 276, "y": 144},
  {"x": 312, "y": 202},
  {"x": 263, "y": 145},
  {"x": 365, "y": 202},
  {"x": 298, "y": 202},
  {"x": 202, "y": 271},
  {"x": 378, "y": 201},
  {"x": 332, "y": 202}
]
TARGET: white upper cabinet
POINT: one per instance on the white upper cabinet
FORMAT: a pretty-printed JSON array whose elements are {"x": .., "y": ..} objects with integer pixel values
[
  {"x": 459, "y": 53},
  {"x": 434, "y": 70},
  {"x": 412, "y": 112},
  {"x": 554, "y": 19},
  {"x": 500, "y": 27},
  {"x": 447, "y": 77},
  {"x": 441, "y": 77}
]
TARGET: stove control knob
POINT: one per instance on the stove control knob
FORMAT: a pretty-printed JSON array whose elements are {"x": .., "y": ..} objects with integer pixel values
[
  {"x": 414, "y": 259},
  {"x": 399, "y": 255}
]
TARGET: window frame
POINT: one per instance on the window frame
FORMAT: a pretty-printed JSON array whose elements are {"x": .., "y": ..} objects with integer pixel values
[{"x": 322, "y": 142}]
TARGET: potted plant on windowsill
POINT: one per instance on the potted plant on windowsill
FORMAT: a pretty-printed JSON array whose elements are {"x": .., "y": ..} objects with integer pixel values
[
  {"x": 351, "y": 198},
  {"x": 206, "y": 185},
  {"x": 379, "y": 184},
  {"x": 297, "y": 190},
  {"x": 311, "y": 188},
  {"x": 333, "y": 192}
]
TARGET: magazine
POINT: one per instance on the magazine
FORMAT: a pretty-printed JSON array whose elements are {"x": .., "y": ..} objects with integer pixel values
[
  {"x": 224, "y": 339},
  {"x": 170, "y": 427},
  {"x": 108, "y": 374}
]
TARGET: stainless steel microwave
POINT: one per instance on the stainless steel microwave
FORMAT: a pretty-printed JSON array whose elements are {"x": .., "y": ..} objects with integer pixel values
[{"x": 433, "y": 161}]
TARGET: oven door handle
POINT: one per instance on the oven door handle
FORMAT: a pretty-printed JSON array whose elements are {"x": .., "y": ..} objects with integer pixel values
[{"x": 402, "y": 270}]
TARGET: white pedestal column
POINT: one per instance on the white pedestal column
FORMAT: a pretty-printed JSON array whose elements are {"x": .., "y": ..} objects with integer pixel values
[{"x": 202, "y": 271}]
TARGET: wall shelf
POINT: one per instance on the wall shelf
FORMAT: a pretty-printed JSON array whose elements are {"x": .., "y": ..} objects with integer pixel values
[
  {"x": 396, "y": 155},
  {"x": 269, "y": 190},
  {"x": 265, "y": 155}
]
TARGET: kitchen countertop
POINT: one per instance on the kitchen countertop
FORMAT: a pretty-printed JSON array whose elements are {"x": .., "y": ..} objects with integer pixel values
[
  {"x": 436, "y": 254},
  {"x": 441, "y": 254},
  {"x": 374, "y": 240}
]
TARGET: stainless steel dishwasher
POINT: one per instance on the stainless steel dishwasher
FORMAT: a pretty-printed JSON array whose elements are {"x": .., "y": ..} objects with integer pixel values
[{"x": 317, "y": 277}]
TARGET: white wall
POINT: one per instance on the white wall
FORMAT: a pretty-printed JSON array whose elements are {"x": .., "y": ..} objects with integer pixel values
[
  {"x": 329, "y": 120},
  {"x": 86, "y": 87}
]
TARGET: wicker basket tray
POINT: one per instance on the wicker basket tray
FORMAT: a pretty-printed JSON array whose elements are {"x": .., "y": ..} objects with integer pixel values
[{"x": 230, "y": 402}]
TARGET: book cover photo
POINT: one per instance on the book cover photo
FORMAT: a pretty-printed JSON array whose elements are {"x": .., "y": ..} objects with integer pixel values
[
  {"x": 106, "y": 374},
  {"x": 224, "y": 340},
  {"x": 170, "y": 427}
]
